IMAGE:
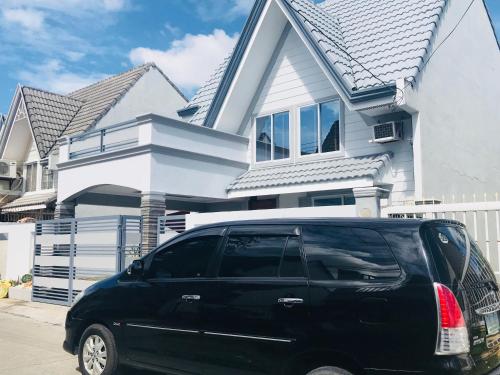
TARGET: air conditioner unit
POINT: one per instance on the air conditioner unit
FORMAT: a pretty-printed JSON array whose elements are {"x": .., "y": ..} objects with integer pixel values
[
  {"x": 388, "y": 132},
  {"x": 8, "y": 169}
]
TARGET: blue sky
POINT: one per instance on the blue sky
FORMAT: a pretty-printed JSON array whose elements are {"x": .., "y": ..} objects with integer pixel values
[{"x": 62, "y": 45}]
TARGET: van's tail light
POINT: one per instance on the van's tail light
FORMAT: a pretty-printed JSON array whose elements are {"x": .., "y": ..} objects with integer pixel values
[{"x": 453, "y": 337}]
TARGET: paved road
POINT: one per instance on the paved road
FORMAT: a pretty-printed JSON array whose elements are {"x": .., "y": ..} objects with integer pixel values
[{"x": 32, "y": 347}]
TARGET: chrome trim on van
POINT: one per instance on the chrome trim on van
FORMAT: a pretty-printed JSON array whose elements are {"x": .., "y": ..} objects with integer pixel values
[
  {"x": 261, "y": 338},
  {"x": 162, "y": 328}
]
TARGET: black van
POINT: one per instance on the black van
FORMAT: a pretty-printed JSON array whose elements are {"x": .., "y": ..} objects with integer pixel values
[{"x": 297, "y": 297}]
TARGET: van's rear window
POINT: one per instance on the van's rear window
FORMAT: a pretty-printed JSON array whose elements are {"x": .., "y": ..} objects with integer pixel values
[{"x": 450, "y": 241}]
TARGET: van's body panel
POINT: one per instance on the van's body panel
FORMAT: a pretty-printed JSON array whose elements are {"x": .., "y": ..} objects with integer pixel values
[{"x": 239, "y": 326}]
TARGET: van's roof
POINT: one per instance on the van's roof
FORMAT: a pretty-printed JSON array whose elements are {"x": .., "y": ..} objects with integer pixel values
[{"x": 365, "y": 222}]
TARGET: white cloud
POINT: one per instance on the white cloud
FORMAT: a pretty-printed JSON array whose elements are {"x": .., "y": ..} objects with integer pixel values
[
  {"x": 171, "y": 29},
  {"x": 29, "y": 19},
  {"x": 210, "y": 10},
  {"x": 189, "y": 61},
  {"x": 52, "y": 76}
]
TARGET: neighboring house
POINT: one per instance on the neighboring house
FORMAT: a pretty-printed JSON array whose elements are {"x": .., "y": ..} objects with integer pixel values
[
  {"x": 37, "y": 119},
  {"x": 301, "y": 113}
]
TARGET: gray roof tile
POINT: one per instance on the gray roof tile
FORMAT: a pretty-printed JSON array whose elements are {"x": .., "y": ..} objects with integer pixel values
[
  {"x": 31, "y": 200},
  {"x": 100, "y": 97},
  {"x": 387, "y": 39},
  {"x": 328, "y": 170},
  {"x": 49, "y": 115},
  {"x": 53, "y": 115}
]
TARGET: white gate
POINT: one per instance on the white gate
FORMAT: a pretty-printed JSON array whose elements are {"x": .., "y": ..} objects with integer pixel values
[
  {"x": 481, "y": 218},
  {"x": 72, "y": 254}
]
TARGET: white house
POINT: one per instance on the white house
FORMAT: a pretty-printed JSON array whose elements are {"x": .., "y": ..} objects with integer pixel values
[
  {"x": 37, "y": 119},
  {"x": 342, "y": 103}
]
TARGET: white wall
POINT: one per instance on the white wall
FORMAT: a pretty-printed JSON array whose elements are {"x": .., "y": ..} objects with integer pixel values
[
  {"x": 152, "y": 93},
  {"x": 457, "y": 97},
  {"x": 196, "y": 219},
  {"x": 295, "y": 78},
  {"x": 19, "y": 249},
  {"x": 88, "y": 210}
]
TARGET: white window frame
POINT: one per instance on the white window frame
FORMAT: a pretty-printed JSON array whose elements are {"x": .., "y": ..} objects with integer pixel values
[
  {"x": 35, "y": 165},
  {"x": 290, "y": 142},
  {"x": 341, "y": 151}
]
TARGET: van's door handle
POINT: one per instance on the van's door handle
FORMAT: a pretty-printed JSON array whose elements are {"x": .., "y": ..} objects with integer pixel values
[
  {"x": 290, "y": 302},
  {"x": 191, "y": 297}
]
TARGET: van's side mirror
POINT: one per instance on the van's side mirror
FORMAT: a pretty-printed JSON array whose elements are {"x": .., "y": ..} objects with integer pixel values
[{"x": 136, "y": 268}]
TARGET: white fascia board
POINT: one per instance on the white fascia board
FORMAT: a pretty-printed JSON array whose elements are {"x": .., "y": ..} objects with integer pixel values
[
  {"x": 302, "y": 188},
  {"x": 243, "y": 62},
  {"x": 9, "y": 121}
]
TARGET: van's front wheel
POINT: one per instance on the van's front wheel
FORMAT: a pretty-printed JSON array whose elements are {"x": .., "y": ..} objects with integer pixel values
[
  {"x": 97, "y": 353},
  {"x": 329, "y": 371}
]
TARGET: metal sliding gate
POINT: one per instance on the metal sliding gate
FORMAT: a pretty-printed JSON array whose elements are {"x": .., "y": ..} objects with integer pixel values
[
  {"x": 170, "y": 226},
  {"x": 72, "y": 254}
]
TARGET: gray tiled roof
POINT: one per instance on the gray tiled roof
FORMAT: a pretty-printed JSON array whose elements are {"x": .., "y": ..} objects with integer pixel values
[
  {"x": 205, "y": 95},
  {"x": 369, "y": 43},
  {"x": 328, "y": 170},
  {"x": 53, "y": 115},
  {"x": 100, "y": 97},
  {"x": 49, "y": 115},
  {"x": 387, "y": 37},
  {"x": 31, "y": 200}
]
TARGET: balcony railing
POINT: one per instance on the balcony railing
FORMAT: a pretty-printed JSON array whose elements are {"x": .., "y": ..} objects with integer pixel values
[{"x": 114, "y": 138}]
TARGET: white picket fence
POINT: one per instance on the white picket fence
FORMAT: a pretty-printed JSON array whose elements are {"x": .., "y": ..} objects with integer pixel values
[{"x": 481, "y": 218}]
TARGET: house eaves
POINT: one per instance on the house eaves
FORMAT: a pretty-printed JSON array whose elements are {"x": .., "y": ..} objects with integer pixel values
[{"x": 353, "y": 95}]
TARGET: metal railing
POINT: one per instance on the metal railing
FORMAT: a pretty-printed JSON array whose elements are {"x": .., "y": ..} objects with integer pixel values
[{"x": 113, "y": 138}]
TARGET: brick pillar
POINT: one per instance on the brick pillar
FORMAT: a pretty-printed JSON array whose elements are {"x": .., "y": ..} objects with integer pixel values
[
  {"x": 64, "y": 210},
  {"x": 368, "y": 200},
  {"x": 152, "y": 207}
]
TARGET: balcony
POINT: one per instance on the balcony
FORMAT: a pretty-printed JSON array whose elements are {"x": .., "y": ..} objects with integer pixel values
[{"x": 151, "y": 154}]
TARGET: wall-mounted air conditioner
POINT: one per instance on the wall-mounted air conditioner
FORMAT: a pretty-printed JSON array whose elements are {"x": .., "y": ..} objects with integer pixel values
[
  {"x": 8, "y": 169},
  {"x": 388, "y": 132}
]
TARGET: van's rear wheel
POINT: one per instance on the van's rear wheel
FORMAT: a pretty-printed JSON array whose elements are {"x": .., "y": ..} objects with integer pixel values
[
  {"x": 97, "y": 353},
  {"x": 329, "y": 371}
]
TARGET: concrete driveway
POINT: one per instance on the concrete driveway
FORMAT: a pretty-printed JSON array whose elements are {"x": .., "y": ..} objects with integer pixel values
[{"x": 31, "y": 337}]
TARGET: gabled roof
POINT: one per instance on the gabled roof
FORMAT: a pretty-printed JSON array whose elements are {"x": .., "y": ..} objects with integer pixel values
[
  {"x": 49, "y": 115},
  {"x": 366, "y": 45},
  {"x": 100, "y": 97},
  {"x": 328, "y": 170},
  {"x": 52, "y": 115}
]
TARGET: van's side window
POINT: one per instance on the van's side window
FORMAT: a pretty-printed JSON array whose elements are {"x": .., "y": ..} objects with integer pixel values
[
  {"x": 337, "y": 253},
  {"x": 291, "y": 265},
  {"x": 252, "y": 256},
  {"x": 185, "y": 259}
]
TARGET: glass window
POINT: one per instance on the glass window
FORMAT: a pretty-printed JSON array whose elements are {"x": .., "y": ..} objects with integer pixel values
[
  {"x": 291, "y": 265},
  {"x": 31, "y": 174},
  {"x": 252, "y": 256},
  {"x": 281, "y": 137},
  {"x": 339, "y": 200},
  {"x": 272, "y": 137},
  {"x": 264, "y": 138},
  {"x": 309, "y": 130},
  {"x": 329, "y": 114},
  {"x": 47, "y": 177},
  {"x": 185, "y": 259},
  {"x": 347, "y": 254},
  {"x": 320, "y": 128}
]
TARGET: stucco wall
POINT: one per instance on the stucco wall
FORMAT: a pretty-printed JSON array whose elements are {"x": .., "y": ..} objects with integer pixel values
[
  {"x": 457, "y": 98},
  {"x": 151, "y": 94},
  {"x": 20, "y": 246}
]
